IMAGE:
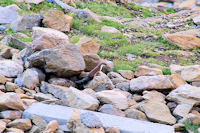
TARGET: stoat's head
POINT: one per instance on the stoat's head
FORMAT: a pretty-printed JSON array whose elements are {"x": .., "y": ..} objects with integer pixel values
[{"x": 105, "y": 66}]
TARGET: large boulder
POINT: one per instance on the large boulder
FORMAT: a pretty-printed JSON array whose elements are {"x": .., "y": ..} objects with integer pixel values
[
  {"x": 7, "y": 15},
  {"x": 11, "y": 101},
  {"x": 188, "y": 73},
  {"x": 157, "y": 112},
  {"x": 47, "y": 38},
  {"x": 160, "y": 82},
  {"x": 26, "y": 22},
  {"x": 185, "y": 94},
  {"x": 10, "y": 68},
  {"x": 183, "y": 41},
  {"x": 100, "y": 82},
  {"x": 114, "y": 97},
  {"x": 63, "y": 61},
  {"x": 88, "y": 46},
  {"x": 71, "y": 96},
  {"x": 147, "y": 71},
  {"x": 58, "y": 20}
]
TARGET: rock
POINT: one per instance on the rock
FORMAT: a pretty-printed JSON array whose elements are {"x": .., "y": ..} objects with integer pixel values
[
  {"x": 8, "y": 15},
  {"x": 62, "y": 82},
  {"x": 191, "y": 118},
  {"x": 51, "y": 127},
  {"x": 196, "y": 20},
  {"x": 127, "y": 74},
  {"x": 22, "y": 55},
  {"x": 119, "y": 80},
  {"x": 58, "y": 20},
  {"x": 34, "y": 129},
  {"x": 88, "y": 46},
  {"x": 147, "y": 71},
  {"x": 39, "y": 122},
  {"x": 24, "y": 124},
  {"x": 75, "y": 124},
  {"x": 159, "y": 82},
  {"x": 2, "y": 126},
  {"x": 135, "y": 114},
  {"x": 179, "y": 127},
  {"x": 71, "y": 96},
  {"x": 2, "y": 79},
  {"x": 10, "y": 114},
  {"x": 6, "y": 53},
  {"x": 89, "y": 92},
  {"x": 30, "y": 78},
  {"x": 100, "y": 82},
  {"x": 2, "y": 88},
  {"x": 10, "y": 68},
  {"x": 91, "y": 61},
  {"x": 185, "y": 94},
  {"x": 130, "y": 57},
  {"x": 125, "y": 86},
  {"x": 113, "y": 75},
  {"x": 90, "y": 120},
  {"x": 43, "y": 97},
  {"x": 109, "y": 67},
  {"x": 10, "y": 39},
  {"x": 112, "y": 130},
  {"x": 92, "y": 15},
  {"x": 14, "y": 130},
  {"x": 2, "y": 28},
  {"x": 26, "y": 22},
  {"x": 11, "y": 101},
  {"x": 63, "y": 61},
  {"x": 188, "y": 73},
  {"x": 185, "y": 42},
  {"x": 154, "y": 95},
  {"x": 11, "y": 86},
  {"x": 109, "y": 29},
  {"x": 114, "y": 97},
  {"x": 176, "y": 80},
  {"x": 111, "y": 109},
  {"x": 157, "y": 112},
  {"x": 197, "y": 84},
  {"x": 47, "y": 38},
  {"x": 50, "y": 112},
  {"x": 188, "y": 4},
  {"x": 18, "y": 82},
  {"x": 182, "y": 110}
]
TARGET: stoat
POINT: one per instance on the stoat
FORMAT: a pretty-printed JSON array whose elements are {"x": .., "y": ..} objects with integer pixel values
[{"x": 91, "y": 74}]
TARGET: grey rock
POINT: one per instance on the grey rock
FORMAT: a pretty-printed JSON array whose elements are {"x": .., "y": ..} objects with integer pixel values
[
  {"x": 16, "y": 42},
  {"x": 71, "y": 96},
  {"x": 7, "y": 15},
  {"x": 61, "y": 82},
  {"x": 90, "y": 120},
  {"x": 63, "y": 61},
  {"x": 10, "y": 68},
  {"x": 50, "y": 112},
  {"x": 26, "y": 22},
  {"x": 23, "y": 54},
  {"x": 30, "y": 78},
  {"x": 125, "y": 86},
  {"x": 18, "y": 82},
  {"x": 196, "y": 20},
  {"x": 111, "y": 109},
  {"x": 2, "y": 28}
]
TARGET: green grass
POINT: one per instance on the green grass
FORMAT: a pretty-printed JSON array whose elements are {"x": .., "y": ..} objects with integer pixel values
[
  {"x": 191, "y": 127},
  {"x": 105, "y": 9}
]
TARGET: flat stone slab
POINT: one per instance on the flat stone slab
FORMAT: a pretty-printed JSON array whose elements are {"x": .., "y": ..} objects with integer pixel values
[{"x": 125, "y": 125}]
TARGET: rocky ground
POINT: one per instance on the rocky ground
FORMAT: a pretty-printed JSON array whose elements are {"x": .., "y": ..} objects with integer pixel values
[{"x": 152, "y": 52}]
